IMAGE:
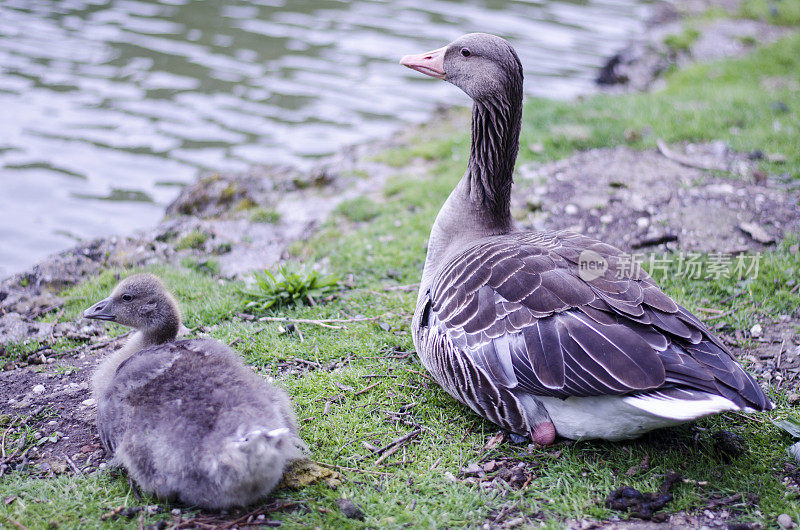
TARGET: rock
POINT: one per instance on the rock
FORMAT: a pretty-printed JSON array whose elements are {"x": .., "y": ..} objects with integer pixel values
[
  {"x": 729, "y": 443},
  {"x": 38, "y": 389},
  {"x": 785, "y": 521},
  {"x": 606, "y": 218},
  {"x": 793, "y": 398},
  {"x": 175, "y": 511},
  {"x": 756, "y": 232},
  {"x": 88, "y": 402},
  {"x": 756, "y": 331},
  {"x": 794, "y": 452},
  {"x": 571, "y": 209},
  {"x": 473, "y": 470},
  {"x": 350, "y": 509},
  {"x": 642, "y": 222}
]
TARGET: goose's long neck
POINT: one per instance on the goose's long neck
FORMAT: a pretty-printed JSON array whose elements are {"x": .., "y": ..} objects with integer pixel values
[
  {"x": 480, "y": 205},
  {"x": 486, "y": 185}
]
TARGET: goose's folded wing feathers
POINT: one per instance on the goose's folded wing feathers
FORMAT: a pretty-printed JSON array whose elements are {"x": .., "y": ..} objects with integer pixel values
[{"x": 517, "y": 305}]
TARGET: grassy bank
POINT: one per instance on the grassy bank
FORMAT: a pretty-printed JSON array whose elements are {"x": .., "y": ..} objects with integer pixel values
[{"x": 358, "y": 383}]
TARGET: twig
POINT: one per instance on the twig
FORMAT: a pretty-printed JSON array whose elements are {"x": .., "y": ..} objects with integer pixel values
[
  {"x": 72, "y": 464},
  {"x": 749, "y": 418},
  {"x": 357, "y": 470},
  {"x": 370, "y": 376},
  {"x": 299, "y": 333},
  {"x": 387, "y": 454},
  {"x": 20, "y": 445},
  {"x": 3, "y": 443},
  {"x": 310, "y": 363},
  {"x": 780, "y": 352},
  {"x": 710, "y": 310},
  {"x": 98, "y": 345},
  {"x": 409, "y": 287},
  {"x": 393, "y": 446},
  {"x": 365, "y": 389},
  {"x": 55, "y": 322},
  {"x": 721, "y": 315},
  {"x": 506, "y": 511},
  {"x": 15, "y": 523},
  {"x": 426, "y": 376},
  {"x": 684, "y": 161},
  {"x": 324, "y": 322}
]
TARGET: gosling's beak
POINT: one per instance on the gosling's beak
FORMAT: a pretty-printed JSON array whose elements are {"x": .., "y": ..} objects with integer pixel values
[
  {"x": 100, "y": 311},
  {"x": 429, "y": 63}
]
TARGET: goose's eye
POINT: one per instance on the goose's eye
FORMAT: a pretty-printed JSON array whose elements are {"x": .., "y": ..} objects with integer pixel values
[
  {"x": 127, "y": 297},
  {"x": 465, "y": 52}
]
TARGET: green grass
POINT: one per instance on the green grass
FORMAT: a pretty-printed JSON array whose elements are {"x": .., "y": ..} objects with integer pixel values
[
  {"x": 264, "y": 215},
  {"x": 782, "y": 12},
  {"x": 195, "y": 239},
  {"x": 358, "y": 210},
  {"x": 726, "y": 100},
  {"x": 682, "y": 41}
]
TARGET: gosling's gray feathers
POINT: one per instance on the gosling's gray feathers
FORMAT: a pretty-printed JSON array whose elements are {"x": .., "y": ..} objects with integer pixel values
[
  {"x": 189, "y": 420},
  {"x": 507, "y": 324},
  {"x": 143, "y": 303}
]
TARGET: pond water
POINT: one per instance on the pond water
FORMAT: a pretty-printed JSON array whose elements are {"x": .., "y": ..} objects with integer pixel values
[{"x": 108, "y": 106}]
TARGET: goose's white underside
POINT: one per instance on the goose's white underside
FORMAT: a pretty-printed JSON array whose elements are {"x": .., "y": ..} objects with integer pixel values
[{"x": 621, "y": 418}]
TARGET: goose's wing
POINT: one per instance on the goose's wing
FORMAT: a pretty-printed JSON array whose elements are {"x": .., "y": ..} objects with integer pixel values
[{"x": 522, "y": 308}]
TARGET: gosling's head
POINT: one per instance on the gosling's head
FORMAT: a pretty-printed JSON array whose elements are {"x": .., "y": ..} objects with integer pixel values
[
  {"x": 482, "y": 65},
  {"x": 141, "y": 302}
]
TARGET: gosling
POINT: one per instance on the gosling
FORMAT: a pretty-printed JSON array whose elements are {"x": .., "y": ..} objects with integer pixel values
[{"x": 187, "y": 418}]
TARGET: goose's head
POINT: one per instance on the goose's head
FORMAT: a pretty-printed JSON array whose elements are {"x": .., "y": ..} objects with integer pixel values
[
  {"x": 141, "y": 302},
  {"x": 482, "y": 65}
]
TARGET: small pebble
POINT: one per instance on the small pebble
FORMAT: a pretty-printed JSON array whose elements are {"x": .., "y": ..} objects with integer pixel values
[
  {"x": 570, "y": 209},
  {"x": 642, "y": 222},
  {"x": 88, "y": 402},
  {"x": 756, "y": 330},
  {"x": 794, "y": 451},
  {"x": 606, "y": 218},
  {"x": 785, "y": 521},
  {"x": 102, "y": 465},
  {"x": 175, "y": 511},
  {"x": 38, "y": 389}
]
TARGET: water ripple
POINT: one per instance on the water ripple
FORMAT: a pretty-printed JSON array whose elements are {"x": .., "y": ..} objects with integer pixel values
[{"x": 104, "y": 101}]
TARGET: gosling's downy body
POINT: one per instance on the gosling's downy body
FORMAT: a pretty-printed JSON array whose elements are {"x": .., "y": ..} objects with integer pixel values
[
  {"x": 509, "y": 323},
  {"x": 187, "y": 418}
]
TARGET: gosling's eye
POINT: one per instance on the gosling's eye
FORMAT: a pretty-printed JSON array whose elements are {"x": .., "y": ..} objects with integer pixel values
[
  {"x": 127, "y": 297},
  {"x": 465, "y": 52}
]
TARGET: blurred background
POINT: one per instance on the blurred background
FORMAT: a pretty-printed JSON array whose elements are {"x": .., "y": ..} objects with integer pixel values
[{"x": 108, "y": 107}]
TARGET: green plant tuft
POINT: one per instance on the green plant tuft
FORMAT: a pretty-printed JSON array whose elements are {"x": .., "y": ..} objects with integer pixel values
[
  {"x": 194, "y": 239},
  {"x": 265, "y": 215},
  {"x": 288, "y": 287}
]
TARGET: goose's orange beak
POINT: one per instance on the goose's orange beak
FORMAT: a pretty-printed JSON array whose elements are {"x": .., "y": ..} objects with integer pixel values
[{"x": 429, "y": 63}]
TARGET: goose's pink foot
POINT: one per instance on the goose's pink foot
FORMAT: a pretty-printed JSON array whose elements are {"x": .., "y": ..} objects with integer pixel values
[{"x": 543, "y": 433}]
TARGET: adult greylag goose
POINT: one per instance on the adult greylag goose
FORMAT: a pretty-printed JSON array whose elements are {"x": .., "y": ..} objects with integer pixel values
[
  {"x": 510, "y": 325},
  {"x": 187, "y": 418}
]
